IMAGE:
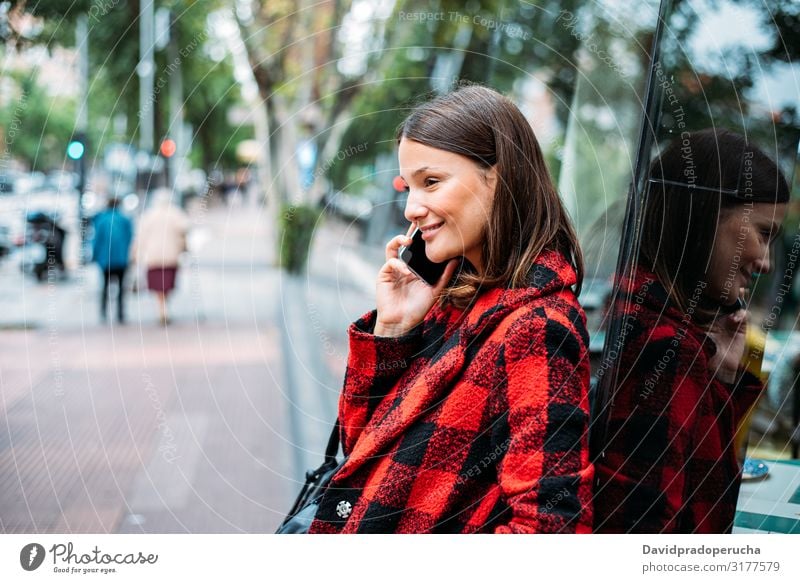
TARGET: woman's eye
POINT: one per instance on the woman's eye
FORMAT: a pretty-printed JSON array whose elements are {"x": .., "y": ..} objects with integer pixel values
[{"x": 431, "y": 181}]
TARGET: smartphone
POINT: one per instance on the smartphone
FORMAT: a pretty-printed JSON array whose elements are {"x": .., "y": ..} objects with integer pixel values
[
  {"x": 419, "y": 264},
  {"x": 734, "y": 307}
]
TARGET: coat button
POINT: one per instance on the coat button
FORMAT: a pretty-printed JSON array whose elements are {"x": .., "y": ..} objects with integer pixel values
[{"x": 344, "y": 508}]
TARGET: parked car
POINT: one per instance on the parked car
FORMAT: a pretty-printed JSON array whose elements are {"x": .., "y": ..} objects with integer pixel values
[
  {"x": 30, "y": 182},
  {"x": 6, "y": 244},
  {"x": 8, "y": 181},
  {"x": 43, "y": 247}
]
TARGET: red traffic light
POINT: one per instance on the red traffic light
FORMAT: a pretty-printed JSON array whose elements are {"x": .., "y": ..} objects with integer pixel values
[
  {"x": 168, "y": 148},
  {"x": 399, "y": 184}
]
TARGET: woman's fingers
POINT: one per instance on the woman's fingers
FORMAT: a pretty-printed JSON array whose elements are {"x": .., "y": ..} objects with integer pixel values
[
  {"x": 738, "y": 318},
  {"x": 393, "y": 246},
  {"x": 396, "y": 267},
  {"x": 744, "y": 297}
]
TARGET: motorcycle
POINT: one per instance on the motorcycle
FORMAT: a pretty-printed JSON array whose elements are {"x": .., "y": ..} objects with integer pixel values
[{"x": 43, "y": 246}]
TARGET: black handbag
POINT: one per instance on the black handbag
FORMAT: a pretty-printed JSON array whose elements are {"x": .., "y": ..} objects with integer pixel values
[{"x": 304, "y": 509}]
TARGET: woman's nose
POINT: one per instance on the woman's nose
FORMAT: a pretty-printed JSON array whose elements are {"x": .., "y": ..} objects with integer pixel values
[
  {"x": 762, "y": 265},
  {"x": 415, "y": 210}
]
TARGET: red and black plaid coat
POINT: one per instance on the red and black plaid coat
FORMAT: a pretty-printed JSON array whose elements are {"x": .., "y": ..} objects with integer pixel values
[
  {"x": 669, "y": 463},
  {"x": 474, "y": 421}
]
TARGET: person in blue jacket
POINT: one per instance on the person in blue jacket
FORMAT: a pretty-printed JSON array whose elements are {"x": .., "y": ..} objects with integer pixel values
[{"x": 113, "y": 234}]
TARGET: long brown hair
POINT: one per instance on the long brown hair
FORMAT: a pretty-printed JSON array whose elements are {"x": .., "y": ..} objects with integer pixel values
[{"x": 527, "y": 215}]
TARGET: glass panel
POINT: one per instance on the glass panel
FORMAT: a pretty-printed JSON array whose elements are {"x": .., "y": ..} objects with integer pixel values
[
  {"x": 683, "y": 373},
  {"x": 601, "y": 139}
]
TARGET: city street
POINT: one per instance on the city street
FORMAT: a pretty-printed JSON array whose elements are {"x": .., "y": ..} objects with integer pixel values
[
  {"x": 613, "y": 345},
  {"x": 204, "y": 426}
]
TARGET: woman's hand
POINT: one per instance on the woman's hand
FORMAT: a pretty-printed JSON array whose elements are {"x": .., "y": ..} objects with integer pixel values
[
  {"x": 728, "y": 334},
  {"x": 402, "y": 298}
]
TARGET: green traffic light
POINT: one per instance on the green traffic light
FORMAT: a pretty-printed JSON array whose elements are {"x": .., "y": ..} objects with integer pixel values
[{"x": 75, "y": 150}]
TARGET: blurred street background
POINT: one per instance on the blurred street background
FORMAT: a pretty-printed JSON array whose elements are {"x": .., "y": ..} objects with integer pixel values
[
  {"x": 205, "y": 425},
  {"x": 272, "y": 126}
]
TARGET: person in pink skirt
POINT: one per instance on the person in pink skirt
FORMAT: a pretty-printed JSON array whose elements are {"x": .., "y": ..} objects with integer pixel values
[{"x": 160, "y": 241}]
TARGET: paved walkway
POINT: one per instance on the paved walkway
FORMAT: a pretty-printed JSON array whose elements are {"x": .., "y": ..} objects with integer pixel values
[{"x": 203, "y": 426}]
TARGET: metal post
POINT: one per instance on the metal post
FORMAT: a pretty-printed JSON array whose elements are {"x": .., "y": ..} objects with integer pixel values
[
  {"x": 146, "y": 72},
  {"x": 175, "y": 104},
  {"x": 82, "y": 120}
]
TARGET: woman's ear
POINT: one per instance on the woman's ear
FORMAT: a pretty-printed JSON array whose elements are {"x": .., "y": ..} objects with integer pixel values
[{"x": 490, "y": 176}]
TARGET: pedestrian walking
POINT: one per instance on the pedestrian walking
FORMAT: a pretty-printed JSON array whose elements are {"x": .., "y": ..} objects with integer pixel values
[
  {"x": 160, "y": 242},
  {"x": 113, "y": 232},
  {"x": 465, "y": 404}
]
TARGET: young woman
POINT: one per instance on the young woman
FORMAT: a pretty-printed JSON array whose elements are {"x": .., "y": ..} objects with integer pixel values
[
  {"x": 464, "y": 407},
  {"x": 715, "y": 204}
]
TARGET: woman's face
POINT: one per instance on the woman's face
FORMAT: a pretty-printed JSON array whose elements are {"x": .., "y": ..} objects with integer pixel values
[
  {"x": 741, "y": 248},
  {"x": 449, "y": 198}
]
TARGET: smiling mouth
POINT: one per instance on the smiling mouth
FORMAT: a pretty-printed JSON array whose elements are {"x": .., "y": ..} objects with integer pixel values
[{"x": 430, "y": 230}]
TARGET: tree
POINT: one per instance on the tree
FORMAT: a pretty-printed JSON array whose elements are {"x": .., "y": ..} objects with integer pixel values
[
  {"x": 209, "y": 89},
  {"x": 24, "y": 22},
  {"x": 296, "y": 51},
  {"x": 114, "y": 54},
  {"x": 494, "y": 42},
  {"x": 299, "y": 55},
  {"x": 37, "y": 127}
]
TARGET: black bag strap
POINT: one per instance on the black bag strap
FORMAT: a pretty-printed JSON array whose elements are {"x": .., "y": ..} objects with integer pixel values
[
  {"x": 333, "y": 443},
  {"x": 312, "y": 476}
]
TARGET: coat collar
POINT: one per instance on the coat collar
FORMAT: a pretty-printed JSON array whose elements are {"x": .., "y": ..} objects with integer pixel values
[
  {"x": 550, "y": 274},
  {"x": 645, "y": 284}
]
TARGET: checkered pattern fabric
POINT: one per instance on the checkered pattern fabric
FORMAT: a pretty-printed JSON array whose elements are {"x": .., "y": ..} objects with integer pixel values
[
  {"x": 669, "y": 463},
  {"x": 475, "y": 421}
]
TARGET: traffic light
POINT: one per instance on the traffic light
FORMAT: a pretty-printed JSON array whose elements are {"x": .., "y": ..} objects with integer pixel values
[
  {"x": 76, "y": 148},
  {"x": 168, "y": 148},
  {"x": 76, "y": 151}
]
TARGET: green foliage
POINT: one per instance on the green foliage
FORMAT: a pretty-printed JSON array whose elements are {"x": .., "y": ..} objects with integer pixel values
[
  {"x": 507, "y": 42},
  {"x": 57, "y": 19},
  {"x": 208, "y": 81},
  {"x": 52, "y": 8},
  {"x": 297, "y": 225},
  {"x": 210, "y": 92},
  {"x": 36, "y": 126},
  {"x": 208, "y": 86}
]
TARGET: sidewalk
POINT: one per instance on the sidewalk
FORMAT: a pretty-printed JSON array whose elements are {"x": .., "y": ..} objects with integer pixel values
[{"x": 203, "y": 426}]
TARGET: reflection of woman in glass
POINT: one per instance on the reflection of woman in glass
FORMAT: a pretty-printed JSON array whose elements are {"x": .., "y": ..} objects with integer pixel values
[
  {"x": 714, "y": 206},
  {"x": 465, "y": 405}
]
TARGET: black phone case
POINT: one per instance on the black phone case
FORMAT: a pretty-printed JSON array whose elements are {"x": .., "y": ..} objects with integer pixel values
[{"x": 414, "y": 256}]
